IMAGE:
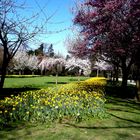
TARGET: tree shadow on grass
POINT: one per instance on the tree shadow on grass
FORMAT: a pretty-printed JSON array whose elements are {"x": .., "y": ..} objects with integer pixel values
[
  {"x": 7, "y": 92},
  {"x": 130, "y": 92},
  {"x": 123, "y": 106},
  {"x": 124, "y": 119},
  {"x": 100, "y": 127},
  {"x": 55, "y": 83},
  {"x": 132, "y": 104},
  {"x": 121, "y": 121},
  {"x": 131, "y": 124},
  {"x": 116, "y": 109},
  {"x": 72, "y": 79}
]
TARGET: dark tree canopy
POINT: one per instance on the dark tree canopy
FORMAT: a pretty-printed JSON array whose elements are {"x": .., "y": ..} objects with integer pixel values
[
  {"x": 112, "y": 28},
  {"x": 50, "y": 51},
  {"x": 40, "y": 50}
]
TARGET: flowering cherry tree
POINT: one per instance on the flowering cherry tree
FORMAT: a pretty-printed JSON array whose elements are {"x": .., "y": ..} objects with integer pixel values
[
  {"x": 82, "y": 65},
  {"x": 102, "y": 66},
  {"x": 32, "y": 63},
  {"x": 20, "y": 61},
  {"x": 111, "y": 28},
  {"x": 55, "y": 65}
]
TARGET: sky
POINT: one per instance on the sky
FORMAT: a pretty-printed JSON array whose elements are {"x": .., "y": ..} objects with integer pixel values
[{"x": 59, "y": 24}]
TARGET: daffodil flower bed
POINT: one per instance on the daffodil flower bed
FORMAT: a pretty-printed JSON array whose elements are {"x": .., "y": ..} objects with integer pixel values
[{"x": 76, "y": 101}]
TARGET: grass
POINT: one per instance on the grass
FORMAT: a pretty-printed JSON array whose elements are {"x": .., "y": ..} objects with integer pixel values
[
  {"x": 38, "y": 82},
  {"x": 122, "y": 123},
  {"x": 15, "y": 85}
]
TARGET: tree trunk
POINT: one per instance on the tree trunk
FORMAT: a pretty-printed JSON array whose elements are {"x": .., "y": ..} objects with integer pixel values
[
  {"x": 41, "y": 72},
  {"x": 2, "y": 77},
  {"x": 5, "y": 63},
  {"x": 78, "y": 78},
  {"x": 124, "y": 78},
  {"x": 22, "y": 72},
  {"x": 56, "y": 79},
  {"x": 7, "y": 73},
  {"x": 33, "y": 73},
  {"x": 97, "y": 73},
  {"x": 138, "y": 90},
  {"x": 117, "y": 73},
  {"x": 19, "y": 72},
  {"x": 3, "y": 73}
]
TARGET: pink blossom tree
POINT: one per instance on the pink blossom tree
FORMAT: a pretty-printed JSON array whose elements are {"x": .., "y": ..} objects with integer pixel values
[
  {"x": 20, "y": 61},
  {"x": 83, "y": 66},
  {"x": 102, "y": 65},
  {"x": 54, "y": 65},
  {"x": 32, "y": 63}
]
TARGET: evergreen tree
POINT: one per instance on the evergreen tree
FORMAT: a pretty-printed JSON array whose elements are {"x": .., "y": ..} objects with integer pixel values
[{"x": 50, "y": 51}]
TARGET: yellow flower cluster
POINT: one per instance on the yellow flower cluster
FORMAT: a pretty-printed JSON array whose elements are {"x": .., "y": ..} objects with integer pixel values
[
  {"x": 100, "y": 81},
  {"x": 53, "y": 103}
]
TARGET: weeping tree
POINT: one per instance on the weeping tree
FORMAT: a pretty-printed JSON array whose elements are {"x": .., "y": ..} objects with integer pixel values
[
  {"x": 53, "y": 65},
  {"x": 79, "y": 66},
  {"x": 32, "y": 64},
  {"x": 15, "y": 30}
]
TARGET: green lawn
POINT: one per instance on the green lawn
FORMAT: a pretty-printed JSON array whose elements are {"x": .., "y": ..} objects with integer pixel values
[
  {"x": 123, "y": 123},
  {"x": 14, "y": 85},
  {"x": 38, "y": 82}
]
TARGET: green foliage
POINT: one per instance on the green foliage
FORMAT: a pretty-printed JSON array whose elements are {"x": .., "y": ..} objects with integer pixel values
[{"x": 74, "y": 101}]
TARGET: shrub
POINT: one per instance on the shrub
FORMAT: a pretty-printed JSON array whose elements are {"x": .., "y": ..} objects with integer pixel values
[{"x": 76, "y": 101}]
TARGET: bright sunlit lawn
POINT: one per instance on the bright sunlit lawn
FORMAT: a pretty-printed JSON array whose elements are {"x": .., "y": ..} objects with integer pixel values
[
  {"x": 15, "y": 84},
  {"x": 39, "y": 81},
  {"x": 121, "y": 123}
]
